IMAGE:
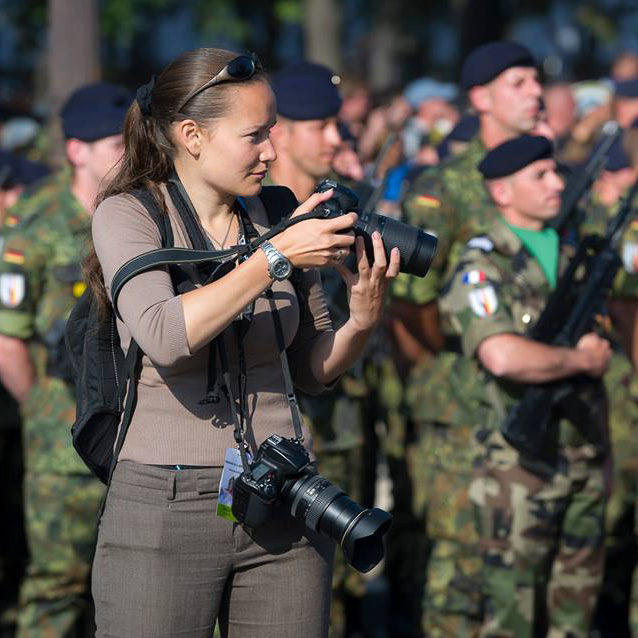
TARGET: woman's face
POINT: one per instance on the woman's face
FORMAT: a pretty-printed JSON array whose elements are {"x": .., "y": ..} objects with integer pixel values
[{"x": 236, "y": 149}]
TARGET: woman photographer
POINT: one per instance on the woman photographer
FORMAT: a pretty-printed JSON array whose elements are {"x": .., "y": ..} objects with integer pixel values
[{"x": 165, "y": 563}]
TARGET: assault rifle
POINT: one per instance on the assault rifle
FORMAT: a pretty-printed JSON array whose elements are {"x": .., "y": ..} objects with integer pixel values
[
  {"x": 566, "y": 318},
  {"x": 581, "y": 180}
]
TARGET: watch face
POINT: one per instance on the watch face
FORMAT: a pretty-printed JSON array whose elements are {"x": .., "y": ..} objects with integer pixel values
[{"x": 281, "y": 269}]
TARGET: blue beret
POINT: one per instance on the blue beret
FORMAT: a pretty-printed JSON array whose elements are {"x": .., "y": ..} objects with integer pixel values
[
  {"x": 424, "y": 89},
  {"x": 95, "y": 111},
  {"x": 17, "y": 170},
  {"x": 627, "y": 88},
  {"x": 490, "y": 60},
  {"x": 513, "y": 155},
  {"x": 306, "y": 91}
]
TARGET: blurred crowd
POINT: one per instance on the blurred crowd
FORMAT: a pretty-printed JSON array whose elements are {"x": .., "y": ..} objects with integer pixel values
[{"x": 385, "y": 146}]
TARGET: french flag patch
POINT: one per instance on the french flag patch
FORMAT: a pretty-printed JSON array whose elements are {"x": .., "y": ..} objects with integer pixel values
[{"x": 474, "y": 277}]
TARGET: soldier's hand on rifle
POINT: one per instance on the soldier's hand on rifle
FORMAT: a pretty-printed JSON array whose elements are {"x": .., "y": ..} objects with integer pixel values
[{"x": 595, "y": 352}]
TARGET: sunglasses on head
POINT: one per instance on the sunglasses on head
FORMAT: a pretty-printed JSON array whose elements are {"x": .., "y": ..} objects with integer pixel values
[{"x": 240, "y": 69}]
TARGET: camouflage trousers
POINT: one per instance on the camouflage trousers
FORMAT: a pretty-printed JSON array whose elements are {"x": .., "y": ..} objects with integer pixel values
[
  {"x": 541, "y": 541},
  {"x": 61, "y": 526},
  {"x": 441, "y": 465},
  {"x": 618, "y": 598}
]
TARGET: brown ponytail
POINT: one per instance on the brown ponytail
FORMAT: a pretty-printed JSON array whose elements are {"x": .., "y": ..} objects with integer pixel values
[{"x": 148, "y": 145}]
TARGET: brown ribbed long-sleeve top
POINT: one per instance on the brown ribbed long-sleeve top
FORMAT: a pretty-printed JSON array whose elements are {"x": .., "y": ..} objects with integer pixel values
[{"x": 169, "y": 424}]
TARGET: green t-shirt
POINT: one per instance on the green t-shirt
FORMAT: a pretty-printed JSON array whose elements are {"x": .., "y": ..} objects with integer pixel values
[{"x": 543, "y": 246}]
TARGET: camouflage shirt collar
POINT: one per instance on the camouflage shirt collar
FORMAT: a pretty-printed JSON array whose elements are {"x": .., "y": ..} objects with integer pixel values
[
  {"x": 504, "y": 239},
  {"x": 78, "y": 218},
  {"x": 476, "y": 150}
]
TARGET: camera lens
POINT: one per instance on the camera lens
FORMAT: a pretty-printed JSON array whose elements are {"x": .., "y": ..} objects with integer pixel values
[
  {"x": 323, "y": 507},
  {"x": 417, "y": 247}
]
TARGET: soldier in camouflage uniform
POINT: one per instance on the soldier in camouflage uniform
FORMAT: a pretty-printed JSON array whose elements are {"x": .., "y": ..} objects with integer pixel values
[
  {"x": 541, "y": 533},
  {"x": 612, "y": 617},
  {"x": 451, "y": 202},
  {"x": 16, "y": 174},
  {"x": 306, "y": 139},
  {"x": 40, "y": 281}
]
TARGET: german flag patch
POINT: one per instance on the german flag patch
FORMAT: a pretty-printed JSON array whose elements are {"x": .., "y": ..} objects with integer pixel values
[
  {"x": 11, "y": 220},
  {"x": 428, "y": 200},
  {"x": 13, "y": 256}
]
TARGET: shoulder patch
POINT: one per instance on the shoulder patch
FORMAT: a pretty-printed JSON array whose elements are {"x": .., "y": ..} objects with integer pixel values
[
  {"x": 13, "y": 256},
  {"x": 428, "y": 201},
  {"x": 482, "y": 242},
  {"x": 11, "y": 220},
  {"x": 474, "y": 277},
  {"x": 483, "y": 301},
  {"x": 630, "y": 257},
  {"x": 12, "y": 289}
]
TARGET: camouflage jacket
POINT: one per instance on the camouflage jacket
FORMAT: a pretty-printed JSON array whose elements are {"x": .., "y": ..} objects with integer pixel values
[
  {"x": 32, "y": 200},
  {"x": 40, "y": 281},
  {"x": 597, "y": 216},
  {"x": 496, "y": 288},
  {"x": 449, "y": 201}
]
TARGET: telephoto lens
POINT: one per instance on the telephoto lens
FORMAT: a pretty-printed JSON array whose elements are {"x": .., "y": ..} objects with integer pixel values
[
  {"x": 324, "y": 508},
  {"x": 417, "y": 247},
  {"x": 281, "y": 475}
]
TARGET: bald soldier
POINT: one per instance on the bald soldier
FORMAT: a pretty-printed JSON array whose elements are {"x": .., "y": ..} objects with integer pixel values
[
  {"x": 451, "y": 202},
  {"x": 541, "y": 533}
]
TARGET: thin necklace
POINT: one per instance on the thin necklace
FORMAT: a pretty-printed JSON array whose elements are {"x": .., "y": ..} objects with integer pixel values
[{"x": 230, "y": 224}]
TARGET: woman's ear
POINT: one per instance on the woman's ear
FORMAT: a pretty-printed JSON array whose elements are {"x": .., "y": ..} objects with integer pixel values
[{"x": 188, "y": 134}]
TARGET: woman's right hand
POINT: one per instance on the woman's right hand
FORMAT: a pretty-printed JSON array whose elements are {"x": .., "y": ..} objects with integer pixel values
[{"x": 317, "y": 243}]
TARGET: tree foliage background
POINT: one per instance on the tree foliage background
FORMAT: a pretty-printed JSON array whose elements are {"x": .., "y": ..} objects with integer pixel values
[{"x": 385, "y": 42}]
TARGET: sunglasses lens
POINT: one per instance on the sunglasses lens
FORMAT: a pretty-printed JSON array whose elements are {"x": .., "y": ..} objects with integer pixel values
[{"x": 241, "y": 68}]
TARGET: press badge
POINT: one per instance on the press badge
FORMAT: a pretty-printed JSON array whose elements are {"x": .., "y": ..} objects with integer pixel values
[{"x": 231, "y": 470}]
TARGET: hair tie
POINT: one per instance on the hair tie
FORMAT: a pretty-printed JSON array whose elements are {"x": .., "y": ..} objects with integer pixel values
[{"x": 144, "y": 97}]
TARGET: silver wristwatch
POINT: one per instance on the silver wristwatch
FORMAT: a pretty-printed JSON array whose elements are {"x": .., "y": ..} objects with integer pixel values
[{"x": 279, "y": 266}]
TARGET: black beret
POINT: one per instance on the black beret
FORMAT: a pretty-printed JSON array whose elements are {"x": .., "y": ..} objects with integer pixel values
[
  {"x": 95, "y": 111},
  {"x": 16, "y": 170},
  {"x": 627, "y": 88},
  {"x": 616, "y": 157},
  {"x": 513, "y": 155},
  {"x": 490, "y": 60},
  {"x": 306, "y": 91}
]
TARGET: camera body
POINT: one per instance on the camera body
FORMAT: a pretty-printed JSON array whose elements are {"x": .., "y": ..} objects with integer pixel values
[
  {"x": 281, "y": 475},
  {"x": 417, "y": 248},
  {"x": 255, "y": 494}
]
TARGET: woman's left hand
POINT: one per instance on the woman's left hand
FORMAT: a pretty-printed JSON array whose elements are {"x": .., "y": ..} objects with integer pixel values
[{"x": 367, "y": 288}]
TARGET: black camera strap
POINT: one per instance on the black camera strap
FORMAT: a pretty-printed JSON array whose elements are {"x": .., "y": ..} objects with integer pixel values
[{"x": 285, "y": 368}]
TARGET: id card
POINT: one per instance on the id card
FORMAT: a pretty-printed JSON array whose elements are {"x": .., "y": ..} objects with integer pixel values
[{"x": 231, "y": 470}]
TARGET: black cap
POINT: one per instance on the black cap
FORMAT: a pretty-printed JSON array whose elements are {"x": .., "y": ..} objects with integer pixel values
[
  {"x": 306, "y": 91},
  {"x": 490, "y": 60},
  {"x": 513, "y": 155},
  {"x": 627, "y": 88},
  {"x": 95, "y": 111},
  {"x": 15, "y": 170}
]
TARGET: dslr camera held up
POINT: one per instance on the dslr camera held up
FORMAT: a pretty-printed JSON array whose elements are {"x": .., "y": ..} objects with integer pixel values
[
  {"x": 417, "y": 247},
  {"x": 280, "y": 476}
]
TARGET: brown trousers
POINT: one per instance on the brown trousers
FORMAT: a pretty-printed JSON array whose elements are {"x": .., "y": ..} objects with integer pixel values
[{"x": 167, "y": 565}]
